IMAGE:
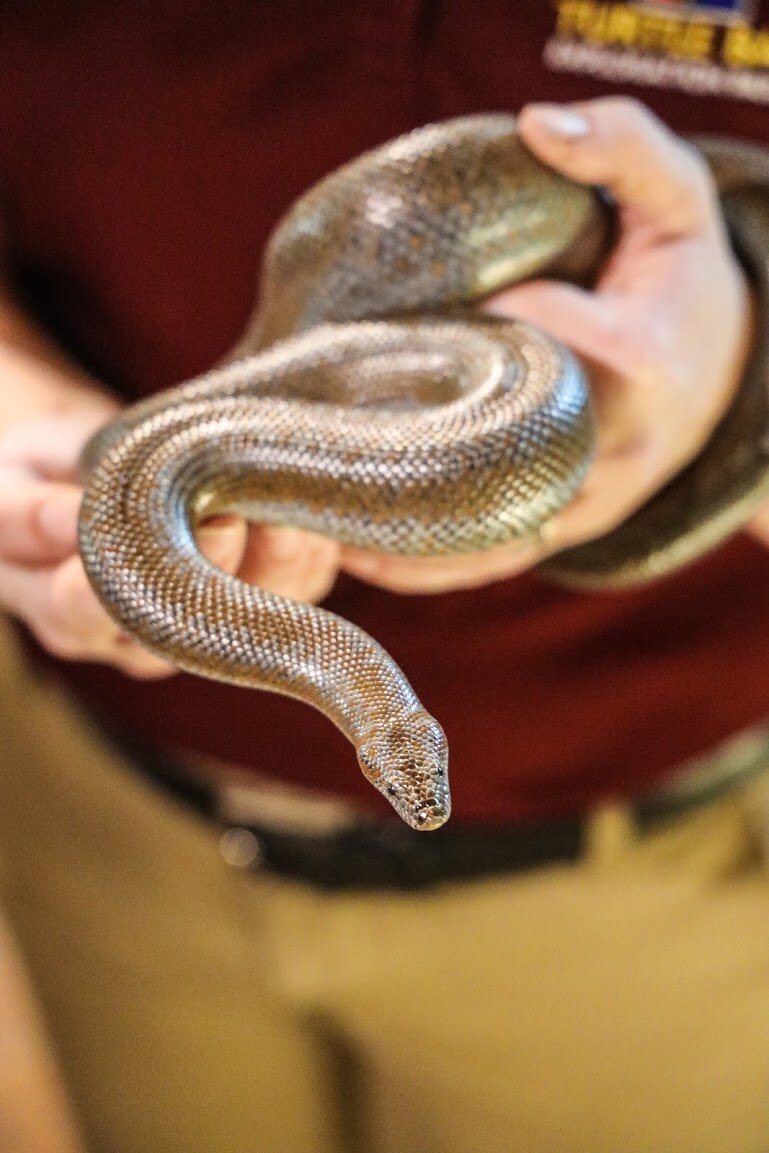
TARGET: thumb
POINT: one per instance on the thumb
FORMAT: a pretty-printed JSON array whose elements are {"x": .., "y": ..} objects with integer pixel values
[
  {"x": 619, "y": 144},
  {"x": 586, "y": 323}
]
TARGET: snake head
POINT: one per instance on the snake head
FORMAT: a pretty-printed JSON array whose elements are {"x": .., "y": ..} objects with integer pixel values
[{"x": 407, "y": 760}]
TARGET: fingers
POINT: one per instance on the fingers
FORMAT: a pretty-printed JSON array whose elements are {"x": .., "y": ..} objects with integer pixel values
[
  {"x": 601, "y": 504},
  {"x": 418, "y": 575},
  {"x": 619, "y": 144},
  {"x": 38, "y": 500},
  {"x": 586, "y": 323},
  {"x": 62, "y": 611},
  {"x": 222, "y": 540},
  {"x": 38, "y": 520},
  {"x": 619, "y": 482},
  {"x": 291, "y": 562},
  {"x": 42, "y": 580},
  {"x": 286, "y": 561},
  {"x": 43, "y": 583},
  {"x": 51, "y": 446}
]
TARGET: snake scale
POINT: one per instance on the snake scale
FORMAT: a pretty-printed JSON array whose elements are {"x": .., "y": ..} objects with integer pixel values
[{"x": 365, "y": 403}]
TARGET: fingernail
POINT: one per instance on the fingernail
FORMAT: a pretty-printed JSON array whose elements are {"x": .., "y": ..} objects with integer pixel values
[
  {"x": 57, "y": 518},
  {"x": 562, "y": 122}
]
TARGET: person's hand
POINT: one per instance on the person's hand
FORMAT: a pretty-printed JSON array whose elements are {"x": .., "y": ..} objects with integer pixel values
[
  {"x": 664, "y": 335},
  {"x": 42, "y": 581}
]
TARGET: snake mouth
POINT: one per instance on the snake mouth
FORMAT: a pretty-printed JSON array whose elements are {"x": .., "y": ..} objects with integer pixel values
[
  {"x": 422, "y": 814},
  {"x": 431, "y": 817},
  {"x": 407, "y": 761}
]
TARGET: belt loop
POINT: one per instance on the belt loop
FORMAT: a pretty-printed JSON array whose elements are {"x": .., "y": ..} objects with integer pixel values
[{"x": 610, "y": 831}]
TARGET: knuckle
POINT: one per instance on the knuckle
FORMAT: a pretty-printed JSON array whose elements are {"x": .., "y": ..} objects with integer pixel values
[
  {"x": 692, "y": 194},
  {"x": 697, "y": 178},
  {"x": 619, "y": 341},
  {"x": 59, "y": 620},
  {"x": 72, "y": 611},
  {"x": 656, "y": 349},
  {"x": 642, "y": 136},
  {"x": 634, "y": 111},
  {"x": 59, "y": 643},
  {"x": 141, "y": 665},
  {"x": 19, "y": 512},
  {"x": 629, "y": 117},
  {"x": 73, "y": 599},
  {"x": 606, "y": 518}
]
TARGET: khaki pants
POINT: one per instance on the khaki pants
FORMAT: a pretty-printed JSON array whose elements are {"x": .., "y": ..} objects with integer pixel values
[{"x": 618, "y": 1006}]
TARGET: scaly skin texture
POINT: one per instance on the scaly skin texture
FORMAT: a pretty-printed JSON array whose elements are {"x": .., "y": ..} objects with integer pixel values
[{"x": 415, "y": 436}]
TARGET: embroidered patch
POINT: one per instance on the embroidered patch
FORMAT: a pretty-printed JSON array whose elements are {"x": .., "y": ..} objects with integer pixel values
[{"x": 704, "y": 47}]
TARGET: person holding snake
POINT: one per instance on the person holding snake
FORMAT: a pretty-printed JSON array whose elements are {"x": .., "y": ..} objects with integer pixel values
[{"x": 235, "y": 942}]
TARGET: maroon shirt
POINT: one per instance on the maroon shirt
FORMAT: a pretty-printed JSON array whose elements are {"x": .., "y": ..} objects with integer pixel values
[{"x": 145, "y": 154}]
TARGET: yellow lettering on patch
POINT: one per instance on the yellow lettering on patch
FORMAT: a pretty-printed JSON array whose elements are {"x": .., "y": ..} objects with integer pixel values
[
  {"x": 568, "y": 15},
  {"x": 700, "y": 40},
  {"x": 744, "y": 48},
  {"x": 623, "y": 25}
]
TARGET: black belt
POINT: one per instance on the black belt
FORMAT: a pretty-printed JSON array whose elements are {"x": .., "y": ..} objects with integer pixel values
[{"x": 388, "y": 855}]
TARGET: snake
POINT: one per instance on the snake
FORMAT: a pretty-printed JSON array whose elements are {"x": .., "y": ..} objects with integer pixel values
[{"x": 369, "y": 401}]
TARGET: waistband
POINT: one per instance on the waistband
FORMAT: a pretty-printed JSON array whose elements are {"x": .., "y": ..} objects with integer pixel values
[{"x": 325, "y": 841}]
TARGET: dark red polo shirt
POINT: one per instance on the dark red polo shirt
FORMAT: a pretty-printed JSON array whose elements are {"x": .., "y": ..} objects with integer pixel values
[{"x": 146, "y": 150}]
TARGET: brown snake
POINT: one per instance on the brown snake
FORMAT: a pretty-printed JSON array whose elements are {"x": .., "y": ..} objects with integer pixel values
[{"x": 415, "y": 436}]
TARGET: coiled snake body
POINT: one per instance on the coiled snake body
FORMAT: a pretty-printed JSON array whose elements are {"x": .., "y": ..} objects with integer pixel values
[{"x": 419, "y": 436}]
